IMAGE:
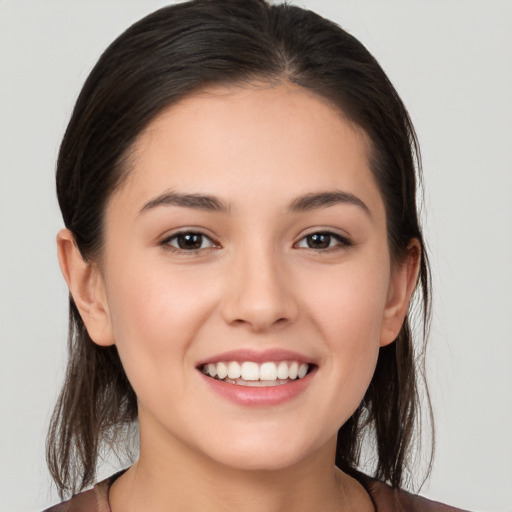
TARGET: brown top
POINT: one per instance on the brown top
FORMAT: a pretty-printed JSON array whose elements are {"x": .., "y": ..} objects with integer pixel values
[{"x": 384, "y": 498}]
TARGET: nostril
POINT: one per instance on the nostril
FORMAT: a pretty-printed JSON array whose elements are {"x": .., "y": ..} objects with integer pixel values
[{"x": 259, "y": 299}]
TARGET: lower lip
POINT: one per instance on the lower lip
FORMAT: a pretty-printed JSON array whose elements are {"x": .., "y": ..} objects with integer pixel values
[{"x": 259, "y": 396}]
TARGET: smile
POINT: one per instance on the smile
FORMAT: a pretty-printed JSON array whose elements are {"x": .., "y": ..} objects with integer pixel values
[
  {"x": 254, "y": 378},
  {"x": 252, "y": 374}
]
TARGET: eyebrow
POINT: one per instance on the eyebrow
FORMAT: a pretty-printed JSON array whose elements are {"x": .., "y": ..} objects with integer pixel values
[
  {"x": 307, "y": 202},
  {"x": 317, "y": 200},
  {"x": 195, "y": 201}
]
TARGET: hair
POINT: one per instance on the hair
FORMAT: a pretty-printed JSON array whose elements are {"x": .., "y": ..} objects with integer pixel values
[{"x": 163, "y": 58}]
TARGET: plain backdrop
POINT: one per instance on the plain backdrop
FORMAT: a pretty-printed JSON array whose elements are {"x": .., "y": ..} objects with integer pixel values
[{"x": 450, "y": 60}]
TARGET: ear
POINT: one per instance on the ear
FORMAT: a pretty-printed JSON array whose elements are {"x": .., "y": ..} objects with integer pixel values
[
  {"x": 404, "y": 276},
  {"x": 87, "y": 288}
]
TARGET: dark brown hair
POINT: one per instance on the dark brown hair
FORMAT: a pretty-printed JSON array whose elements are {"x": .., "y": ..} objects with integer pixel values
[{"x": 164, "y": 57}]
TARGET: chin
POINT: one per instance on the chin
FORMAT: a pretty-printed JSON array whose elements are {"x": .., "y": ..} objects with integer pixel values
[
  {"x": 251, "y": 461},
  {"x": 263, "y": 453}
]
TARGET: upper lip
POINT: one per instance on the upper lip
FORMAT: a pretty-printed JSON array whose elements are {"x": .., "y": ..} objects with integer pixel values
[{"x": 257, "y": 356}]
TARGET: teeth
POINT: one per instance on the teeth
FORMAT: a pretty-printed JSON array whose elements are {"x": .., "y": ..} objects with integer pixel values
[
  {"x": 222, "y": 370},
  {"x": 233, "y": 370},
  {"x": 293, "y": 371},
  {"x": 303, "y": 369},
  {"x": 282, "y": 370},
  {"x": 268, "y": 371},
  {"x": 248, "y": 371},
  {"x": 212, "y": 370}
]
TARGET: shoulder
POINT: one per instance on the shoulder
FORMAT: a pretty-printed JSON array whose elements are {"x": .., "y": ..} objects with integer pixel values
[
  {"x": 387, "y": 499},
  {"x": 93, "y": 500}
]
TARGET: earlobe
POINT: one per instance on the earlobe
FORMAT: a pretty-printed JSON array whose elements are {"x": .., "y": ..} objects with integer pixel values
[
  {"x": 87, "y": 288},
  {"x": 403, "y": 282}
]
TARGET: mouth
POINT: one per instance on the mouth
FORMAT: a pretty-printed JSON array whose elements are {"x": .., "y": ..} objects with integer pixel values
[{"x": 252, "y": 374}]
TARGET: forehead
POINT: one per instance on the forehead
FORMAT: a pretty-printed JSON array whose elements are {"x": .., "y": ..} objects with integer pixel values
[{"x": 282, "y": 138}]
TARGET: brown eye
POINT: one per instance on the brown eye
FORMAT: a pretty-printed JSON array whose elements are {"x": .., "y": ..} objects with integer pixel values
[
  {"x": 323, "y": 240},
  {"x": 189, "y": 241},
  {"x": 318, "y": 241}
]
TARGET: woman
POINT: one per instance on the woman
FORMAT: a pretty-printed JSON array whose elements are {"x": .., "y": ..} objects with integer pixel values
[{"x": 242, "y": 244}]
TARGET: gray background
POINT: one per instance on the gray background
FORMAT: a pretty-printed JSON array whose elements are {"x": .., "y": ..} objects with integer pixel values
[{"x": 450, "y": 61}]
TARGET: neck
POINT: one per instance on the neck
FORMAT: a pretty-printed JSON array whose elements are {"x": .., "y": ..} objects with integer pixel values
[{"x": 174, "y": 478}]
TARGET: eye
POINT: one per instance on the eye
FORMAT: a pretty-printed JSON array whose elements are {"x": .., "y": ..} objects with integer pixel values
[
  {"x": 189, "y": 241},
  {"x": 323, "y": 240}
]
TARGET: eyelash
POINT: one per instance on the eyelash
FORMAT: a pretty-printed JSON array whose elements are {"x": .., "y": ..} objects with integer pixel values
[
  {"x": 342, "y": 241},
  {"x": 167, "y": 242}
]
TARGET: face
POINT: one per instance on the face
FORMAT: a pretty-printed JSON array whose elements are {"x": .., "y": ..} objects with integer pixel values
[{"x": 246, "y": 278}]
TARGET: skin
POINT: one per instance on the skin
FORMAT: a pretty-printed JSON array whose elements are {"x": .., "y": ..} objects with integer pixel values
[{"x": 254, "y": 283}]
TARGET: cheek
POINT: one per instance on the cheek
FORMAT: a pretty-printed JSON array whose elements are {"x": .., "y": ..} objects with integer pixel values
[
  {"x": 349, "y": 316},
  {"x": 152, "y": 298},
  {"x": 351, "y": 310},
  {"x": 155, "y": 314}
]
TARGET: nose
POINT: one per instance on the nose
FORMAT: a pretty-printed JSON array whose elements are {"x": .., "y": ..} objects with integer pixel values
[{"x": 259, "y": 292}]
